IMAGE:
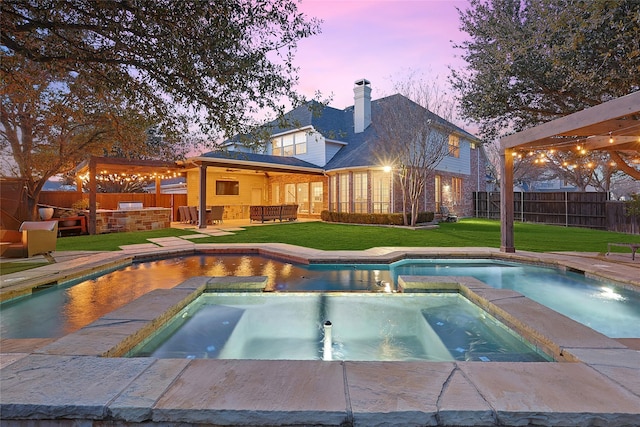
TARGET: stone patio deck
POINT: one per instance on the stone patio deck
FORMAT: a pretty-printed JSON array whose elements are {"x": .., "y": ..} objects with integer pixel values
[{"x": 81, "y": 379}]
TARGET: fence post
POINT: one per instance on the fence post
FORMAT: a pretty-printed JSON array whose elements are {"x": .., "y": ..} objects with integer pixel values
[
  {"x": 477, "y": 203},
  {"x": 566, "y": 209},
  {"x": 488, "y": 205}
]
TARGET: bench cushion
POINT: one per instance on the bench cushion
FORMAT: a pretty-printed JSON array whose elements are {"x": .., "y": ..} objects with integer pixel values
[{"x": 38, "y": 225}]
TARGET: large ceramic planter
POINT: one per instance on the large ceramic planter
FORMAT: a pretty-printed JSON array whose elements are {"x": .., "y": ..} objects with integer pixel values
[{"x": 45, "y": 213}]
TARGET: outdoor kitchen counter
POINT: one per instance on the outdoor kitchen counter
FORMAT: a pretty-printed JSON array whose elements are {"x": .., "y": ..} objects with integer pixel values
[{"x": 116, "y": 220}]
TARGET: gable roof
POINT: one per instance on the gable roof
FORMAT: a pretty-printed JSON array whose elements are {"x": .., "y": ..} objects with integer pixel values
[
  {"x": 366, "y": 148},
  {"x": 330, "y": 122},
  {"x": 360, "y": 149}
]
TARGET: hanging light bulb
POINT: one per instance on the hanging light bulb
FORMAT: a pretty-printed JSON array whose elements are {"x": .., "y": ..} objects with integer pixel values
[{"x": 610, "y": 138}]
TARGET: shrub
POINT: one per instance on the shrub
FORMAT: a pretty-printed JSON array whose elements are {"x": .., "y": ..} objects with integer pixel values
[{"x": 373, "y": 218}]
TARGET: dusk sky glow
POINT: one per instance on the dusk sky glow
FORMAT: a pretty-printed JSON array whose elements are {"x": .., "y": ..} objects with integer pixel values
[{"x": 380, "y": 40}]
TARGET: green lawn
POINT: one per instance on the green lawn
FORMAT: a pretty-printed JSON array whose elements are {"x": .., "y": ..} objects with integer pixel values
[
  {"x": 14, "y": 267},
  {"x": 319, "y": 235}
]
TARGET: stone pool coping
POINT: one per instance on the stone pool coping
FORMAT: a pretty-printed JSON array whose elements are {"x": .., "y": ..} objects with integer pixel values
[
  {"x": 596, "y": 380},
  {"x": 83, "y": 264}
]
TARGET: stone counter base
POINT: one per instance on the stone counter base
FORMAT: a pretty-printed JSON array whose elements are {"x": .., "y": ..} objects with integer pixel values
[{"x": 109, "y": 221}]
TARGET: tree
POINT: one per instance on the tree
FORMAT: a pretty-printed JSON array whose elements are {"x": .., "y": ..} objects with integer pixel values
[
  {"x": 93, "y": 77},
  {"x": 416, "y": 140},
  {"x": 52, "y": 120},
  {"x": 216, "y": 62},
  {"x": 532, "y": 61}
]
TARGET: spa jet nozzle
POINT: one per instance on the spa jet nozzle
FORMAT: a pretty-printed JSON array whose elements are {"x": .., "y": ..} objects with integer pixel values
[{"x": 326, "y": 354}]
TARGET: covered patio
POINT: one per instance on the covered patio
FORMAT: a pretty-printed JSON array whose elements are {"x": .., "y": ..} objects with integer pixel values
[
  {"x": 95, "y": 166},
  {"x": 613, "y": 126},
  {"x": 241, "y": 166}
]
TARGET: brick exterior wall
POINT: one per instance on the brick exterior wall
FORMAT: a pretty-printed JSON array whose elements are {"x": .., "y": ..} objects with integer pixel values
[
  {"x": 475, "y": 181},
  {"x": 281, "y": 180}
]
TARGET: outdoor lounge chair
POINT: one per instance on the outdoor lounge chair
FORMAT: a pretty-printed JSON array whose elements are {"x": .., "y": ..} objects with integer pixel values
[
  {"x": 193, "y": 212},
  {"x": 447, "y": 215},
  {"x": 183, "y": 212},
  {"x": 33, "y": 238},
  {"x": 214, "y": 214}
]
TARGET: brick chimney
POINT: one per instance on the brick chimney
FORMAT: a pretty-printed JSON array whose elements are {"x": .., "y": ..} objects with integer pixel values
[{"x": 362, "y": 105}]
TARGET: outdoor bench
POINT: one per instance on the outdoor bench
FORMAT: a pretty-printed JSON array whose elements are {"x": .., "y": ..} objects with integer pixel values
[
  {"x": 634, "y": 247},
  {"x": 271, "y": 213}
]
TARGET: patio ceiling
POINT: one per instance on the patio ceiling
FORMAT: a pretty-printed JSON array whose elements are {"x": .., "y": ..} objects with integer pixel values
[{"x": 611, "y": 126}]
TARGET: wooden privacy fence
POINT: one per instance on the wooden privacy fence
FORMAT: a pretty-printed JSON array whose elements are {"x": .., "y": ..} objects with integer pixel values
[
  {"x": 571, "y": 209},
  {"x": 65, "y": 199}
]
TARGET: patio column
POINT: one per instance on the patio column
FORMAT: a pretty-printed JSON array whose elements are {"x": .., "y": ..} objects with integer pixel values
[
  {"x": 506, "y": 202},
  {"x": 202, "y": 210},
  {"x": 93, "y": 189}
]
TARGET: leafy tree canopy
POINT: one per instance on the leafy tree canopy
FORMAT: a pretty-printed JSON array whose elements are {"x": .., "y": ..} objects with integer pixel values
[
  {"x": 531, "y": 61},
  {"x": 215, "y": 62},
  {"x": 131, "y": 77}
]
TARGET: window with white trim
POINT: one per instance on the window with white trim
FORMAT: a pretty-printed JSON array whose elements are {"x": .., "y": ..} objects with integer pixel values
[
  {"x": 343, "y": 204},
  {"x": 290, "y": 194},
  {"x": 360, "y": 192},
  {"x": 381, "y": 192},
  {"x": 456, "y": 191},
  {"x": 454, "y": 145},
  {"x": 333, "y": 194},
  {"x": 316, "y": 197}
]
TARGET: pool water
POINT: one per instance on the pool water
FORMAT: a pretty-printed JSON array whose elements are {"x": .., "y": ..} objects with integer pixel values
[
  {"x": 63, "y": 309},
  {"x": 364, "y": 326},
  {"x": 611, "y": 310}
]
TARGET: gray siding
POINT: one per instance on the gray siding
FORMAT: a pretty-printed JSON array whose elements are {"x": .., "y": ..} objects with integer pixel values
[{"x": 459, "y": 165}]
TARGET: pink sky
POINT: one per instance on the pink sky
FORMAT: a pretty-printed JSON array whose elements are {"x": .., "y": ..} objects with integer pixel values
[{"x": 380, "y": 40}]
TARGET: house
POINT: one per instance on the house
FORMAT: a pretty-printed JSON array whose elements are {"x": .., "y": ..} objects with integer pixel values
[{"x": 332, "y": 159}]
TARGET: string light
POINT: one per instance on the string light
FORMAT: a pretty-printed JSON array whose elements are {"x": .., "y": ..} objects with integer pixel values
[
  {"x": 541, "y": 157},
  {"x": 104, "y": 175},
  {"x": 610, "y": 138}
]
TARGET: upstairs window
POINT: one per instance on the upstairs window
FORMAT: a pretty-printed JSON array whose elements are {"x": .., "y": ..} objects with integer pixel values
[
  {"x": 289, "y": 145},
  {"x": 454, "y": 146},
  {"x": 276, "y": 146},
  {"x": 301, "y": 143}
]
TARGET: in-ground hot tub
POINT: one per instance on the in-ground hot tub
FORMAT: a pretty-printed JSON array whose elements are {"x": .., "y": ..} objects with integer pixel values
[{"x": 439, "y": 326}]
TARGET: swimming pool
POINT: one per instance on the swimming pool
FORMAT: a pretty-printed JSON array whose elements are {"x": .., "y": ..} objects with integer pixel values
[
  {"x": 66, "y": 308},
  {"x": 337, "y": 326}
]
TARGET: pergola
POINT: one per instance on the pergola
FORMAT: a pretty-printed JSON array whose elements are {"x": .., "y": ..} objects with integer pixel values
[
  {"x": 115, "y": 165},
  {"x": 611, "y": 126}
]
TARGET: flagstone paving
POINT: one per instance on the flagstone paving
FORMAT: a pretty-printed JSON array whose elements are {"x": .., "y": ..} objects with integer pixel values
[
  {"x": 195, "y": 236},
  {"x": 68, "y": 380},
  {"x": 595, "y": 380}
]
